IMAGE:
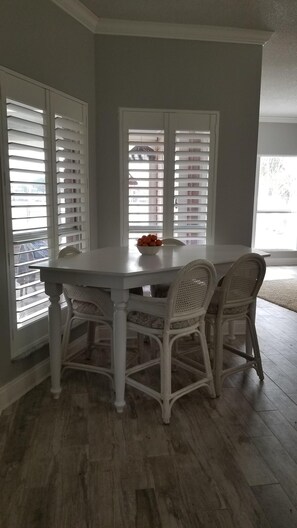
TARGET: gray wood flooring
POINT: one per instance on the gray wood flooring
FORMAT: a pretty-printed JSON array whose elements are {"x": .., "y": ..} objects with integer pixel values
[{"x": 229, "y": 462}]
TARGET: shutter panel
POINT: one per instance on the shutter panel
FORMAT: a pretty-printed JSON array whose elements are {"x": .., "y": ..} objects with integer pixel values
[
  {"x": 72, "y": 183},
  {"x": 28, "y": 192},
  {"x": 146, "y": 182},
  {"x": 168, "y": 166},
  {"x": 45, "y": 195},
  {"x": 191, "y": 175}
]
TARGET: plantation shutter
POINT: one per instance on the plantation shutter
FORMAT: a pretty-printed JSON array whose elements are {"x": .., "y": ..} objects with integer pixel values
[
  {"x": 146, "y": 182},
  {"x": 26, "y": 130},
  {"x": 27, "y": 193},
  {"x": 44, "y": 137},
  {"x": 169, "y": 171},
  {"x": 71, "y": 173},
  {"x": 191, "y": 175}
]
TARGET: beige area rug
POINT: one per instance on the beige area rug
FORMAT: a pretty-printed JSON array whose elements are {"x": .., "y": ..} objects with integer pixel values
[{"x": 282, "y": 292}]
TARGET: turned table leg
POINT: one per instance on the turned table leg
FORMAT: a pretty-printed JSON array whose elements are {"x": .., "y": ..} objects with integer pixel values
[
  {"x": 54, "y": 325},
  {"x": 120, "y": 299}
]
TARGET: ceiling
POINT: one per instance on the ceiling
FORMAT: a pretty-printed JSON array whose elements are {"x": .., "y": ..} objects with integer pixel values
[{"x": 279, "y": 71}]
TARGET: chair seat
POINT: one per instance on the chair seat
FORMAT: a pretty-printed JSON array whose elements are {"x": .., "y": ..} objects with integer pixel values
[
  {"x": 86, "y": 308},
  {"x": 236, "y": 310},
  {"x": 159, "y": 290},
  {"x": 151, "y": 321},
  {"x": 228, "y": 310}
]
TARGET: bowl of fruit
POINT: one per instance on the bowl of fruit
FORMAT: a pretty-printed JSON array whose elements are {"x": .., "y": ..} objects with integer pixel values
[{"x": 149, "y": 244}]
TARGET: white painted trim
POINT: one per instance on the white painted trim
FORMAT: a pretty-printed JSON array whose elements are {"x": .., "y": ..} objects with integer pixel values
[
  {"x": 16, "y": 388},
  {"x": 281, "y": 261},
  {"x": 256, "y": 191},
  {"x": 278, "y": 119},
  {"x": 135, "y": 28},
  {"x": 80, "y": 12}
]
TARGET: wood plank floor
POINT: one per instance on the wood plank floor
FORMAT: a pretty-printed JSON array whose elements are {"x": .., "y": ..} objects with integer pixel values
[{"x": 229, "y": 462}]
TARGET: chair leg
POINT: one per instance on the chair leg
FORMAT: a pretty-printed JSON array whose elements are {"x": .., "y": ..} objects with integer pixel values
[
  {"x": 206, "y": 358},
  {"x": 209, "y": 339},
  {"x": 255, "y": 344},
  {"x": 141, "y": 348},
  {"x": 218, "y": 357},
  {"x": 165, "y": 366},
  {"x": 66, "y": 335},
  {"x": 231, "y": 333},
  {"x": 90, "y": 337}
]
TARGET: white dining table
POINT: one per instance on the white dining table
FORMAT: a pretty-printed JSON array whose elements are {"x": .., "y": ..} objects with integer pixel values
[{"x": 119, "y": 268}]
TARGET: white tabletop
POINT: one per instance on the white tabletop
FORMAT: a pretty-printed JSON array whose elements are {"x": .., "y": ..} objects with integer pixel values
[{"x": 125, "y": 267}]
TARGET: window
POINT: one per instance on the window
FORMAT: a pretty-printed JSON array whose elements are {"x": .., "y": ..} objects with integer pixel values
[
  {"x": 276, "y": 209},
  {"x": 45, "y": 180},
  {"x": 168, "y": 174}
]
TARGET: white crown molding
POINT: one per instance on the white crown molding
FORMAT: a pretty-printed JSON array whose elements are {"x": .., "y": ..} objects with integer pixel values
[
  {"x": 110, "y": 26},
  {"x": 181, "y": 31},
  {"x": 78, "y": 11},
  {"x": 278, "y": 119}
]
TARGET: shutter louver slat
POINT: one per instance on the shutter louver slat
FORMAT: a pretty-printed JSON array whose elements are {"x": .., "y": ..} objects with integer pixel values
[
  {"x": 20, "y": 125},
  {"x": 71, "y": 135},
  {"x": 25, "y": 138}
]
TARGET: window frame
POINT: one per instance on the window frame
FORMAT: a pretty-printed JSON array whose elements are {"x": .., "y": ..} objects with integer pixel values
[
  {"x": 143, "y": 119},
  {"x": 33, "y": 335},
  {"x": 280, "y": 254}
]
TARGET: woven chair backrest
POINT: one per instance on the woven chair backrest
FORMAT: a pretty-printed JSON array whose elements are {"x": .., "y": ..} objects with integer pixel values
[
  {"x": 70, "y": 292},
  {"x": 81, "y": 294},
  {"x": 172, "y": 242},
  {"x": 190, "y": 293},
  {"x": 69, "y": 251},
  {"x": 242, "y": 282}
]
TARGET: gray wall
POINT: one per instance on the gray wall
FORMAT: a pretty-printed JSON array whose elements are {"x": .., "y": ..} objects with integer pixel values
[
  {"x": 175, "y": 74},
  {"x": 42, "y": 42},
  {"x": 277, "y": 139}
]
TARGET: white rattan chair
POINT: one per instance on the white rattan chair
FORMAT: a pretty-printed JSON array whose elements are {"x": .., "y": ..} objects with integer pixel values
[
  {"x": 172, "y": 242},
  {"x": 165, "y": 320},
  {"x": 161, "y": 290},
  {"x": 93, "y": 306},
  {"x": 235, "y": 299}
]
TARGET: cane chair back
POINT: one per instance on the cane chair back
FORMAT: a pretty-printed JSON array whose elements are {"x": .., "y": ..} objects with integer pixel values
[
  {"x": 241, "y": 284},
  {"x": 189, "y": 295},
  {"x": 235, "y": 299},
  {"x": 161, "y": 290},
  {"x": 168, "y": 319},
  {"x": 172, "y": 242}
]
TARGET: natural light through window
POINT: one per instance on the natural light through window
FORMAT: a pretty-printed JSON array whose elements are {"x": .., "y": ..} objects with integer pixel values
[{"x": 276, "y": 214}]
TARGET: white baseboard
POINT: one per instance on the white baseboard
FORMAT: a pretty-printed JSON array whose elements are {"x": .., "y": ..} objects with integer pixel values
[
  {"x": 16, "y": 388},
  {"x": 281, "y": 261}
]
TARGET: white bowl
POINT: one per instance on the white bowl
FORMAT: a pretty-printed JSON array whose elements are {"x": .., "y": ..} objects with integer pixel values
[{"x": 148, "y": 250}]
